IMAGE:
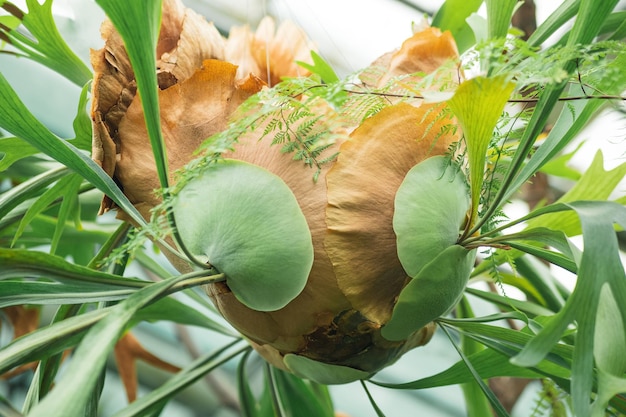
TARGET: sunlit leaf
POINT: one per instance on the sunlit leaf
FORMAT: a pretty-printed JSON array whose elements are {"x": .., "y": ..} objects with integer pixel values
[
  {"x": 432, "y": 293},
  {"x": 499, "y": 13},
  {"x": 559, "y": 17},
  {"x": 321, "y": 68},
  {"x": 595, "y": 184},
  {"x": 452, "y": 15},
  {"x": 246, "y": 222},
  {"x": 430, "y": 208},
  {"x": 559, "y": 166},
  {"x": 590, "y": 18},
  {"x": 478, "y": 104}
]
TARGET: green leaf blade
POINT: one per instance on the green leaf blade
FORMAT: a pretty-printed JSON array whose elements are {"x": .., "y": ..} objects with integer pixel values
[
  {"x": 432, "y": 293},
  {"x": 246, "y": 222},
  {"x": 478, "y": 104},
  {"x": 138, "y": 23},
  {"x": 430, "y": 207}
]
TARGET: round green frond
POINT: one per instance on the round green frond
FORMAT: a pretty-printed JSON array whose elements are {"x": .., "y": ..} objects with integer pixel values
[
  {"x": 246, "y": 222},
  {"x": 430, "y": 208}
]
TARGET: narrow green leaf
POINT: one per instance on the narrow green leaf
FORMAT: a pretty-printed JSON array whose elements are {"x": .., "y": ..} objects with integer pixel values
[
  {"x": 559, "y": 165},
  {"x": 138, "y": 23},
  {"x": 499, "y": 13},
  {"x": 29, "y": 189},
  {"x": 48, "y": 47},
  {"x": 12, "y": 150},
  {"x": 610, "y": 340},
  {"x": 559, "y": 17},
  {"x": 526, "y": 307},
  {"x": 432, "y": 293},
  {"x": 589, "y": 19},
  {"x": 375, "y": 406},
  {"x": 249, "y": 404},
  {"x": 191, "y": 373},
  {"x": 66, "y": 186},
  {"x": 493, "y": 400},
  {"x": 320, "y": 67},
  {"x": 565, "y": 129},
  {"x": 69, "y": 206},
  {"x": 171, "y": 309},
  {"x": 49, "y": 340},
  {"x": 15, "y": 263},
  {"x": 82, "y": 122},
  {"x": 298, "y": 396},
  {"x": 274, "y": 392},
  {"x": 478, "y": 104},
  {"x": 15, "y": 118},
  {"x": 595, "y": 184},
  {"x": 476, "y": 402},
  {"x": 40, "y": 293},
  {"x": 452, "y": 16},
  {"x": 552, "y": 257},
  {"x": 619, "y": 32},
  {"x": 487, "y": 363},
  {"x": 72, "y": 392}
]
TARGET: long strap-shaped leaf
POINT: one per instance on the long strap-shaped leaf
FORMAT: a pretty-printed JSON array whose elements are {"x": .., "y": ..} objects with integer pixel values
[
  {"x": 75, "y": 387},
  {"x": 196, "y": 370},
  {"x": 17, "y": 119},
  {"x": 138, "y": 23}
]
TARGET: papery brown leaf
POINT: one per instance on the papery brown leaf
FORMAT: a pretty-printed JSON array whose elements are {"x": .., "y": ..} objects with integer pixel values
[
  {"x": 269, "y": 53},
  {"x": 127, "y": 351},
  {"x": 186, "y": 39},
  {"x": 424, "y": 52},
  {"x": 361, "y": 192},
  {"x": 191, "y": 111}
]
